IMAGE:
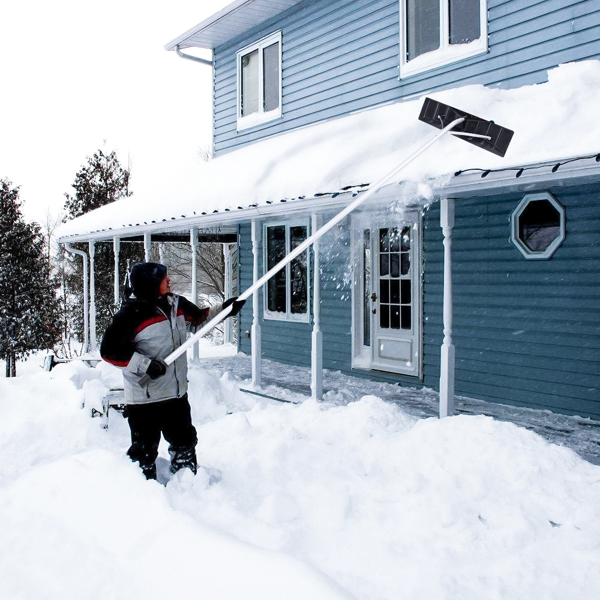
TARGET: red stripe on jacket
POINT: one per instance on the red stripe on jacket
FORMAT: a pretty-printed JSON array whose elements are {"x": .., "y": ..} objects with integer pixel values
[
  {"x": 148, "y": 322},
  {"x": 117, "y": 363}
]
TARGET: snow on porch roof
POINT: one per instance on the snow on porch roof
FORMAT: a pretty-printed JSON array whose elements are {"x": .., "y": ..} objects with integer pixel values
[{"x": 551, "y": 121}]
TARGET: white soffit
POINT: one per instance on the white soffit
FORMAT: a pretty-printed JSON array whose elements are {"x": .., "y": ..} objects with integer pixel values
[{"x": 230, "y": 22}]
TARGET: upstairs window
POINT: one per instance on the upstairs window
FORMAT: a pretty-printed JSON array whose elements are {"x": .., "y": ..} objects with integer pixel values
[
  {"x": 438, "y": 32},
  {"x": 287, "y": 290},
  {"x": 259, "y": 82}
]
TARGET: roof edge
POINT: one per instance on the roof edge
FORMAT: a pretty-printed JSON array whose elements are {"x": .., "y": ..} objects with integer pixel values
[{"x": 224, "y": 12}]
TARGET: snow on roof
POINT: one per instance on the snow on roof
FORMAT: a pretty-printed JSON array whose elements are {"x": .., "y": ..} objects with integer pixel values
[{"x": 551, "y": 121}]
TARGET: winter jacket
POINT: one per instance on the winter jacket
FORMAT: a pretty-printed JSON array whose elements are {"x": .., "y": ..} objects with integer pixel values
[{"x": 144, "y": 329}]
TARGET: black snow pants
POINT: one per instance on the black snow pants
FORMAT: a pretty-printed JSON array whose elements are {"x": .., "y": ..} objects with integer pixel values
[{"x": 173, "y": 419}]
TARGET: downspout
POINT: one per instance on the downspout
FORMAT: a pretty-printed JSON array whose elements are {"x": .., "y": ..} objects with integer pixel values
[
  {"x": 86, "y": 330},
  {"x": 202, "y": 61}
]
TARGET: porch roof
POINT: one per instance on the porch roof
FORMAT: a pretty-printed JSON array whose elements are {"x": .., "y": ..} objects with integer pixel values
[{"x": 324, "y": 164}]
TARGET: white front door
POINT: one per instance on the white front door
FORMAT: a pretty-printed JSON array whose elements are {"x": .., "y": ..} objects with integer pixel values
[{"x": 387, "y": 298}]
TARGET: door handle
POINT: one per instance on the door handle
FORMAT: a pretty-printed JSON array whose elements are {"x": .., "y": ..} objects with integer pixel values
[{"x": 373, "y": 296}]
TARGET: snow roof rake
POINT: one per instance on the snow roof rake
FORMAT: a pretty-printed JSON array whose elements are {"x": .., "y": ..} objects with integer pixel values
[{"x": 485, "y": 134}]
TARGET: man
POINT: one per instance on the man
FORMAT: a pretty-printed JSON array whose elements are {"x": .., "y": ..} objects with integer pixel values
[{"x": 142, "y": 334}]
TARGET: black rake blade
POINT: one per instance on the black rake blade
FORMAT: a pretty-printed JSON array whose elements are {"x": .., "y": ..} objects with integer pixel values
[{"x": 440, "y": 115}]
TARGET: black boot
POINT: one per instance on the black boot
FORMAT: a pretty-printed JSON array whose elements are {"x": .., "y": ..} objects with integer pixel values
[
  {"x": 149, "y": 471},
  {"x": 183, "y": 457}
]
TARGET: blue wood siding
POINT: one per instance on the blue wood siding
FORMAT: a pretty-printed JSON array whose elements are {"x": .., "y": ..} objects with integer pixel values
[
  {"x": 341, "y": 56},
  {"x": 290, "y": 343},
  {"x": 284, "y": 341},
  {"x": 527, "y": 332}
]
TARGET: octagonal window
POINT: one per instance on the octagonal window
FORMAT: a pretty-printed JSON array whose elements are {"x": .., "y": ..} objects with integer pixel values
[{"x": 538, "y": 225}]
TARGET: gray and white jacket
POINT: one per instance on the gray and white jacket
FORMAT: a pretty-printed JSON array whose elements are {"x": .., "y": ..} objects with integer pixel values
[{"x": 142, "y": 330}]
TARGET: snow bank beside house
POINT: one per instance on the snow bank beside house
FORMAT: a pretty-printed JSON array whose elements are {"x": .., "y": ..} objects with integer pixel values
[
  {"x": 294, "y": 501},
  {"x": 551, "y": 121}
]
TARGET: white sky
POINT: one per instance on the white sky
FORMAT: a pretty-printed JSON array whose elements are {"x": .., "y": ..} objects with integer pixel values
[{"x": 77, "y": 77}]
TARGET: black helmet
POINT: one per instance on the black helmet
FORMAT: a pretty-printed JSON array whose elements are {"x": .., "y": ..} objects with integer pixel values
[{"x": 145, "y": 280}]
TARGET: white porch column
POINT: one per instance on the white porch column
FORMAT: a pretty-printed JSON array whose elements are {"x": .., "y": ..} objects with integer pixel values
[
  {"x": 228, "y": 323},
  {"x": 147, "y": 246},
  {"x": 161, "y": 253},
  {"x": 117, "y": 249},
  {"x": 86, "y": 305},
  {"x": 194, "y": 246},
  {"x": 316, "y": 367},
  {"x": 256, "y": 333},
  {"x": 93, "y": 341},
  {"x": 448, "y": 362}
]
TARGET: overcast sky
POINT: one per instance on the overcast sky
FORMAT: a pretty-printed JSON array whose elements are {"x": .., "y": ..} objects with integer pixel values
[{"x": 79, "y": 76}]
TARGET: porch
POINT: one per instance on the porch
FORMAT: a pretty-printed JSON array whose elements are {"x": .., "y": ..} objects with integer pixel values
[{"x": 292, "y": 383}]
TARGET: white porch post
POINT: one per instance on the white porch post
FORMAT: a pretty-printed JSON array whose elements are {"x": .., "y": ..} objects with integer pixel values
[
  {"x": 86, "y": 305},
  {"x": 228, "y": 324},
  {"x": 256, "y": 333},
  {"x": 161, "y": 253},
  {"x": 117, "y": 249},
  {"x": 93, "y": 341},
  {"x": 447, "y": 370},
  {"x": 194, "y": 246},
  {"x": 316, "y": 380},
  {"x": 147, "y": 245}
]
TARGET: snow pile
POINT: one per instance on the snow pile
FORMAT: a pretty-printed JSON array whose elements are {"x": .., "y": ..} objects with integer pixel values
[
  {"x": 294, "y": 501},
  {"x": 551, "y": 122}
]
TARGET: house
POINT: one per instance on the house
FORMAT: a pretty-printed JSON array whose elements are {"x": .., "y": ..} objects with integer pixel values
[{"x": 472, "y": 274}]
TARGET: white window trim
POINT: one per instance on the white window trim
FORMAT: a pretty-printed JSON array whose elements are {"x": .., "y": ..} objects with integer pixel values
[
  {"x": 446, "y": 53},
  {"x": 260, "y": 117},
  {"x": 514, "y": 226},
  {"x": 288, "y": 315}
]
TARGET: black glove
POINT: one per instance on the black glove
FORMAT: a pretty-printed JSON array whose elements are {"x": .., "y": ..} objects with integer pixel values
[
  {"x": 237, "y": 306},
  {"x": 157, "y": 368}
]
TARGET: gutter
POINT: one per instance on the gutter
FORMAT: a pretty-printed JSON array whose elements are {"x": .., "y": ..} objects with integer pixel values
[
  {"x": 202, "y": 61},
  {"x": 86, "y": 310},
  {"x": 224, "y": 218}
]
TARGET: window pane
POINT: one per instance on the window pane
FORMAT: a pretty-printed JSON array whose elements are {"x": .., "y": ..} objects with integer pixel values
[
  {"x": 384, "y": 240},
  {"x": 271, "y": 77},
  {"x": 395, "y": 291},
  {"x": 394, "y": 240},
  {"x": 406, "y": 317},
  {"x": 384, "y": 266},
  {"x": 276, "y": 287},
  {"x": 405, "y": 294},
  {"x": 464, "y": 21},
  {"x": 298, "y": 272},
  {"x": 539, "y": 225},
  {"x": 405, "y": 239},
  {"x": 384, "y": 291},
  {"x": 384, "y": 317},
  {"x": 422, "y": 26},
  {"x": 249, "y": 92},
  {"x": 405, "y": 267}
]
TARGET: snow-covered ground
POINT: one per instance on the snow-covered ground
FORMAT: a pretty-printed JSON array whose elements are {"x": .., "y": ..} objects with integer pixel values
[{"x": 364, "y": 495}]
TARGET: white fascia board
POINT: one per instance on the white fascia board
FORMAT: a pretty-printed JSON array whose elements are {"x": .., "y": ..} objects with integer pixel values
[
  {"x": 229, "y": 22},
  {"x": 580, "y": 171},
  {"x": 222, "y": 218},
  {"x": 206, "y": 24}
]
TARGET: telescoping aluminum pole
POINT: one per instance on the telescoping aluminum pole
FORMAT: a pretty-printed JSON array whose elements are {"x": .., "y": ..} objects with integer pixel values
[{"x": 475, "y": 130}]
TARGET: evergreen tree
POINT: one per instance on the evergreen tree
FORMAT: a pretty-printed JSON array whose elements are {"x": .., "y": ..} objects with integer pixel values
[
  {"x": 29, "y": 309},
  {"x": 100, "y": 181}
]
